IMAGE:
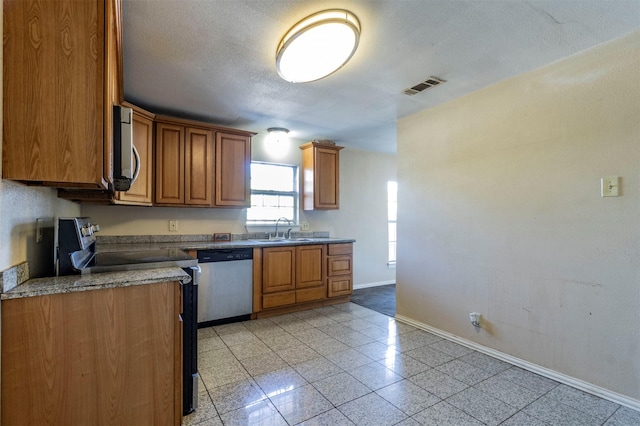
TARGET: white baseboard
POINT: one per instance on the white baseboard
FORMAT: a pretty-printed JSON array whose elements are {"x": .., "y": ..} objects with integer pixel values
[
  {"x": 551, "y": 374},
  {"x": 367, "y": 285}
]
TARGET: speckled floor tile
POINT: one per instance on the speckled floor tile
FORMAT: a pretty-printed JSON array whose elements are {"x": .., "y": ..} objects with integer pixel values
[
  {"x": 260, "y": 414},
  {"x": 298, "y": 354},
  {"x": 559, "y": 414},
  {"x": 375, "y": 332},
  {"x": 529, "y": 380},
  {"x": 430, "y": 356},
  {"x": 408, "y": 397},
  {"x": 327, "y": 346},
  {"x": 481, "y": 406},
  {"x": 263, "y": 364},
  {"x": 508, "y": 392},
  {"x": 281, "y": 342},
  {"x": 372, "y": 409},
  {"x": 236, "y": 327},
  {"x": 317, "y": 369},
  {"x": 210, "y": 344},
  {"x": 310, "y": 335},
  {"x": 222, "y": 375},
  {"x": 375, "y": 376},
  {"x": 301, "y": 404},
  {"x": 239, "y": 337},
  {"x": 381, "y": 365},
  {"x": 297, "y": 325},
  {"x": 599, "y": 408},
  {"x": 485, "y": 362},
  {"x": 404, "y": 365},
  {"x": 267, "y": 332},
  {"x": 330, "y": 418},
  {"x": 349, "y": 359},
  {"x": 624, "y": 417},
  {"x": 320, "y": 320},
  {"x": 523, "y": 419},
  {"x": 464, "y": 372},
  {"x": 249, "y": 349},
  {"x": 378, "y": 351},
  {"x": 438, "y": 383},
  {"x": 280, "y": 381},
  {"x": 236, "y": 395},
  {"x": 341, "y": 388},
  {"x": 443, "y": 414}
]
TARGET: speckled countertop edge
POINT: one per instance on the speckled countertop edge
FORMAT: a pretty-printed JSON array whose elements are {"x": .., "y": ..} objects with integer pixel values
[
  {"x": 73, "y": 283},
  {"x": 208, "y": 245}
]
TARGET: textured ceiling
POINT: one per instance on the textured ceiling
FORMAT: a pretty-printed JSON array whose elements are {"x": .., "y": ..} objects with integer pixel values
[{"x": 214, "y": 60}]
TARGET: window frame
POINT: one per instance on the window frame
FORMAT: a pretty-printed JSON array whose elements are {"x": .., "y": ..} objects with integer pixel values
[{"x": 295, "y": 194}]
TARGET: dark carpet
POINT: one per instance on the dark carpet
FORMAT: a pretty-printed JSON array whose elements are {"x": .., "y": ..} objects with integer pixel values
[{"x": 381, "y": 298}]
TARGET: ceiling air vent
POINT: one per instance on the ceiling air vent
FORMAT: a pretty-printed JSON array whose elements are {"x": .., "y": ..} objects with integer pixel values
[{"x": 423, "y": 85}]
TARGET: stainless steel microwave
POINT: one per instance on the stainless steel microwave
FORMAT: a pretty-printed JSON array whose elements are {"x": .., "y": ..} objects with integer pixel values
[{"x": 126, "y": 161}]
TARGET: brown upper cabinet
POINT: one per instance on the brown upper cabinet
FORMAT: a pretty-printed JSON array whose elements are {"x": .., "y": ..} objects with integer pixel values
[
  {"x": 201, "y": 165},
  {"x": 62, "y": 74},
  {"x": 321, "y": 176}
]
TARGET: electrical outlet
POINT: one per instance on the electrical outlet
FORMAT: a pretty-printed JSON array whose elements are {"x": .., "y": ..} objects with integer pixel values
[
  {"x": 304, "y": 226},
  {"x": 173, "y": 226}
]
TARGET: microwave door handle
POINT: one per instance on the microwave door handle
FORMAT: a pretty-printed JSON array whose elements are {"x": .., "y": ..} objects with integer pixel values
[{"x": 136, "y": 155}]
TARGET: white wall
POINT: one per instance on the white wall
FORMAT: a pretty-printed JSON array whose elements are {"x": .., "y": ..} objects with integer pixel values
[
  {"x": 19, "y": 207},
  {"x": 500, "y": 213},
  {"x": 362, "y": 214}
]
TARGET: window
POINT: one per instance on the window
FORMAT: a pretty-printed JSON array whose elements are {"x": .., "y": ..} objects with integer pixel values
[
  {"x": 392, "y": 215},
  {"x": 274, "y": 193}
]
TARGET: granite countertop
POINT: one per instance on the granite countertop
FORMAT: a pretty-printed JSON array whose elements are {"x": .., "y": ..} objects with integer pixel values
[
  {"x": 104, "y": 247},
  {"x": 71, "y": 283},
  {"x": 94, "y": 281}
]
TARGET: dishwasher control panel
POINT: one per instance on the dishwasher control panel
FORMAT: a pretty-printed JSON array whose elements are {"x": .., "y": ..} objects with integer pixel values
[{"x": 224, "y": 255}]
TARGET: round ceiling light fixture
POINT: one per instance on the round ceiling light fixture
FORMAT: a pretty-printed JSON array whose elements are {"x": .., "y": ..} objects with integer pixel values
[{"x": 318, "y": 46}]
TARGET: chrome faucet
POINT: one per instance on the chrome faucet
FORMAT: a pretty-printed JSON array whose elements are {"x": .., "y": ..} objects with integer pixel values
[{"x": 276, "y": 237}]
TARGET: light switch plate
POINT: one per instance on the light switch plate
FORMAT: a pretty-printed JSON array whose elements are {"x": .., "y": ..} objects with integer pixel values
[
  {"x": 304, "y": 226},
  {"x": 610, "y": 186}
]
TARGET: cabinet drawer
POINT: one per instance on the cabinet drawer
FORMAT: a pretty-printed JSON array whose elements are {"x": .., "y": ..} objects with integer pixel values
[
  {"x": 343, "y": 248},
  {"x": 339, "y": 265},
  {"x": 340, "y": 286},
  {"x": 308, "y": 294},
  {"x": 278, "y": 299}
]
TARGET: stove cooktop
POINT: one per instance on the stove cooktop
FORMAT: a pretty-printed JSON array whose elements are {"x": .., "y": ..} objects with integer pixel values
[{"x": 147, "y": 259}]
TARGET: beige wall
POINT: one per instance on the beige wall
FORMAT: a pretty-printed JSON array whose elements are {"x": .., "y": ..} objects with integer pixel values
[
  {"x": 19, "y": 208},
  {"x": 362, "y": 213},
  {"x": 500, "y": 213}
]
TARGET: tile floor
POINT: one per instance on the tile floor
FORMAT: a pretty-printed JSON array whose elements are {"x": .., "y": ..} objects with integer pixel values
[{"x": 347, "y": 364}]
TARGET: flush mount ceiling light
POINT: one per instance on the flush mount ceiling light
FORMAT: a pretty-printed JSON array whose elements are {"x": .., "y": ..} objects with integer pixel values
[
  {"x": 318, "y": 46},
  {"x": 277, "y": 141}
]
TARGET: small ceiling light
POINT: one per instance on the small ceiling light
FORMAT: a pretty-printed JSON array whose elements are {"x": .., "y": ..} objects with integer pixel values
[
  {"x": 277, "y": 141},
  {"x": 318, "y": 46}
]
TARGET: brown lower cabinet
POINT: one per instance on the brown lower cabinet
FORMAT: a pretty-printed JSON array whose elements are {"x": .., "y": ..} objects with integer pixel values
[
  {"x": 292, "y": 277},
  {"x": 109, "y": 356}
]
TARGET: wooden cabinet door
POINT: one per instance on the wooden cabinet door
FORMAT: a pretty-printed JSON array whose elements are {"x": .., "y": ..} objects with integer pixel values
[
  {"x": 310, "y": 261},
  {"x": 278, "y": 269},
  {"x": 321, "y": 176},
  {"x": 58, "y": 91},
  {"x": 169, "y": 164},
  {"x": 141, "y": 192},
  {"x": 199, "y": 164},
  {"x": 326, "y": 184},
  {"x": 109, "y": 356},
  {"x": 233, "y": 172},
  {"x": 340, "y": 286}
]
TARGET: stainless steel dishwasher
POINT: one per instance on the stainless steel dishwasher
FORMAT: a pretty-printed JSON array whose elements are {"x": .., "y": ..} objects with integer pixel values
[{"x": 225, "y": 292}]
